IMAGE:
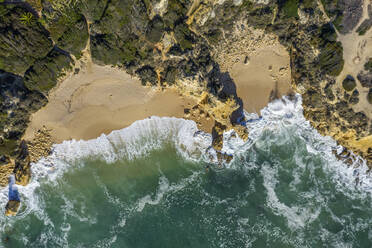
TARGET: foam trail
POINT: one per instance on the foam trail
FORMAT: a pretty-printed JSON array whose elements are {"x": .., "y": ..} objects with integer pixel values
[
  {"x": 129, "y": 143},
  {"x": 146, "y": 135},
  {"x": 287, "y": 113}
]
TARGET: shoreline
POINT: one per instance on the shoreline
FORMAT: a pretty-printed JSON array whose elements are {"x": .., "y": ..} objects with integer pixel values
[
  {"x": 104, "y": 99},
  {"x": 349, "y": 160},
  {"x": 101, "y": 99}
]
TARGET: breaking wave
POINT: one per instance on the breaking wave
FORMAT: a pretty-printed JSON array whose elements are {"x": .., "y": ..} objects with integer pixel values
[{"x": 280, "y": 132}]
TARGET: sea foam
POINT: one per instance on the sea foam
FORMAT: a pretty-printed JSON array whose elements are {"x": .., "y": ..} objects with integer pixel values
[{"x": 146, "y": 135}]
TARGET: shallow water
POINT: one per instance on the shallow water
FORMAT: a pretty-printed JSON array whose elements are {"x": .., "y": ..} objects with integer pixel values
[{"x": 148, "y": 186}]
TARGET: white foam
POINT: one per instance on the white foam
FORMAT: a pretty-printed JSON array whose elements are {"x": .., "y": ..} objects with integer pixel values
[
  {"x": 146, "y": 135},
  {"x": 129, "y": 143},
  {"x": 163, "y": 189},
  {"x": 297, "y": 216},
  {"x": 136, "y": 141},
  {"x": 287, "y": 114}
]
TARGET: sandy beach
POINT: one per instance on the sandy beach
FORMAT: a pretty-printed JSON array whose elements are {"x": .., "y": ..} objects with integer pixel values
[
  {"x": 258, "y": 64},
  {"x": 261, "y": 76},
  {"x": 103, "y": 99},
  {"x": 100, "y": 99}
]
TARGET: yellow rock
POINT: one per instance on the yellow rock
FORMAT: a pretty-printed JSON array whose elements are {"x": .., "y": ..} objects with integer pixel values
[{"x": 11, "y": 208}]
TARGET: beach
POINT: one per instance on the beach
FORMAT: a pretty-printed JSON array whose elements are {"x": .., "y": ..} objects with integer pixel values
[
  {"x": 102, "y": 99},
  {"x": 262, "y": 77}
]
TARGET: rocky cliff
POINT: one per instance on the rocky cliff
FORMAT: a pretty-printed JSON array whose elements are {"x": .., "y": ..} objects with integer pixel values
[{"x": 186, "y": 44}]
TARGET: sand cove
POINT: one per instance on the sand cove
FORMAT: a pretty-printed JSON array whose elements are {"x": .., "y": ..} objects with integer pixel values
[{"x": 100, "y": 99}]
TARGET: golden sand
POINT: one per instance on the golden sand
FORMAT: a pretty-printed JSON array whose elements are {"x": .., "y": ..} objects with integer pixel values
[{"x": 103, "y": 99}]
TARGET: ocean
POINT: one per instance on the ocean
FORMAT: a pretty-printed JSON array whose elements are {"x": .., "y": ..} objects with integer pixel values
[{"x": 158, "y": 183}]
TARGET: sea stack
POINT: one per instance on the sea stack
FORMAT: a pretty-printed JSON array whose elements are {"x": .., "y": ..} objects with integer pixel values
[{"x": 12, "y": 206}]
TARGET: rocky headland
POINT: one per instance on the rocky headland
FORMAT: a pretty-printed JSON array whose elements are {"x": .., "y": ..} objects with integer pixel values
[{"x": 198, "y": 49}]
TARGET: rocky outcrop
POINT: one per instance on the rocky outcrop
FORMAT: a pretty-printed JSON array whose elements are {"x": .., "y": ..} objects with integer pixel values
[
  {"x": 17, "y": 103},
  {"x": 367, "y": 23},
  {"x": 23, "y": 39},
  {"x": 344, "y": 14},
  {"x": 316, "y": 57},
  {"x": 42, "y": 76},
  {"x": 365, "y": 76},
  {"x": 13, "y": 204}
]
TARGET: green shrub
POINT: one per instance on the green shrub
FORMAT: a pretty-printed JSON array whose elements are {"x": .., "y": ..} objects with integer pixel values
[
  {"x": 26, "y": 18},
  {"x": 368, "y": 65},
  {"x": 349, "y": 83},
  {"x": 369, "y": 96},
  {"x": 290, "y": 8}
]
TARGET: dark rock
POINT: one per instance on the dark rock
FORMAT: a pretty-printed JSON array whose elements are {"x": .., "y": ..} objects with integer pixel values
[
  {"x": 155, "y": 29},
  {"x": 369, "y": 96},
  {"x": 22, "y": 169},
  {"x": 75, "y": 37},
  {"x": 176, "y": 13},
  {"x": 366, "y": 24},
  {"x": 328, "y": 91},
  {"x": 113, "y": 38},
  {"x": 175, "y": 50},
  {"x": 289, "y": 8},
  {"x": 147, "y": 74},
  {"x": 331, "y": 58},
  {"x": 93, "y": 9},
  {"x": 345, "y": 14},
  {"x": 4, "y": 160},
  {"x": 354, "y": 97},
  {"x": 43, "y": 75},
  {"x": 368, "y": 65},
  {"x": 184, "y": 36},
  {"x": 20, "y": 102},
  {"x": 365, "y": 79},
  {"x": 11, "y": 208},
  {"x": 217, "y": 136},
  {"x": 170, "y": 75},
  {"x": 21, "y": 43}
]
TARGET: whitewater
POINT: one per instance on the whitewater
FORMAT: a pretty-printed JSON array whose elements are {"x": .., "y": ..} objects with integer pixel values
[{"x": 148, "y": 185}]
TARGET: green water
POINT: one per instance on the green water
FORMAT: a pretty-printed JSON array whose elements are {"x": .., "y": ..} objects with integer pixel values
[{"x": 276, "y": 194}]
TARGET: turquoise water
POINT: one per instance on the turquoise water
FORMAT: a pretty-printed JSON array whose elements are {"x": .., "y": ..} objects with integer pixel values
[{"x": 284, "y": 188}]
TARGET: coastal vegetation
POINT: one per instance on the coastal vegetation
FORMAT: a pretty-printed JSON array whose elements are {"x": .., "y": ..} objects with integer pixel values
[
  {"x": 368, "y": 65},
  {"x": 349, "y": 83},
  {"x": 26, "y": 18},
  {"x": 290, "y": 7}
]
